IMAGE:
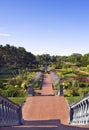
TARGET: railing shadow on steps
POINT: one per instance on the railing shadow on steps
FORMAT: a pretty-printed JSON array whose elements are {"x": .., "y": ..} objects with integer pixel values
[
  {"x": 51, "y": 124},
  {"x": 10, "y": 112},
  {"x": 79, "y": 112}
]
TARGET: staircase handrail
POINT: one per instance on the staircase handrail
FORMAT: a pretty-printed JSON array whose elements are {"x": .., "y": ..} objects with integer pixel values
[
  {"x": 79, "y": 111},
  {"x": 10, "y": 112}
]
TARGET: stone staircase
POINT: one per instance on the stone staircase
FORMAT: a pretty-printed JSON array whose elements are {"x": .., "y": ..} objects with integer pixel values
[{"x": 45, "y": 112}]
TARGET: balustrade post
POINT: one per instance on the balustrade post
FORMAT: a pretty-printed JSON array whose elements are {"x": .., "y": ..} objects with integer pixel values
[
  {"x": 19, "y": 111},
  {"x": 1, "y": 112}
]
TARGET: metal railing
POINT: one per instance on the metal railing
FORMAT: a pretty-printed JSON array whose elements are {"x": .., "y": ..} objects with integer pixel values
[
  {"x": 79, "y": 112},
  {"x": 10, "y": 113}
]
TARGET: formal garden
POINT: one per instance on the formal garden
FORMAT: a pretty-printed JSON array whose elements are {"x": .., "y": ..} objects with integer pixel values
[
  {"x": 19, "y": 68},
  {"x": 75, "y": 81}
]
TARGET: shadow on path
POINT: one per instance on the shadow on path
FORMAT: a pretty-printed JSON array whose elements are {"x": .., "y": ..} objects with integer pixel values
[{"x": 43, "y": 125}]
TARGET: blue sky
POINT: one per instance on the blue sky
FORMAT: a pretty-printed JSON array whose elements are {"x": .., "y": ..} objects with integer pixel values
[{"x": 55, "y": 27}]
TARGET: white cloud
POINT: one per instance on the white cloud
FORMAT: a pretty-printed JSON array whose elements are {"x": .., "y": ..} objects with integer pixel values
[{"x": 4, "y": 35}]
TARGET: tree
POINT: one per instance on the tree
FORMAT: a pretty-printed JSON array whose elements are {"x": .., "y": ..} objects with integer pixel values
[
  {"x": 13, "y": 57},
  {"x": 85, "y": 59}
]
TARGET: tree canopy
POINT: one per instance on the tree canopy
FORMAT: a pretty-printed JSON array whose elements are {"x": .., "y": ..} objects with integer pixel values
[{"x": 11, "y": 56}]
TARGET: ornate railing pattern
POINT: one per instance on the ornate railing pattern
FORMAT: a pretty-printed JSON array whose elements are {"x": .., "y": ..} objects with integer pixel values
[
  {"x": 79, "y": 112},
  {"x": 10, "y": 113}
]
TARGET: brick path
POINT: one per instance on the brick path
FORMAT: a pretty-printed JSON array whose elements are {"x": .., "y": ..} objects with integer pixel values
[
  {"x": 47, "y": 85},
  {"x": 45, "y": 112}
]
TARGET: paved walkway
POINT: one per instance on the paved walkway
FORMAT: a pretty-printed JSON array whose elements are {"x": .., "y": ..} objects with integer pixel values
[
  {"x": 47, "y": 86},
  {"x": 46, "y": 108},
  {"x": 45, "y": 112}
]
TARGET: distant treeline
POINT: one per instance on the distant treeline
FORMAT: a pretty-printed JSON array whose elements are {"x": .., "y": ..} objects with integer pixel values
[{"x": 13, "y": 57}]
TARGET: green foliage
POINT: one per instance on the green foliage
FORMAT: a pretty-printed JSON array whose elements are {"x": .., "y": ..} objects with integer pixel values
[
  {"x": 19, "y": 100},
  {"x": 23, "y": 85},
  {"x": 15, "y": 74},
  {"x": 1, "y": 84},
  {"x": 37, "y": 84},
  {"x": 74, "y": 92},
  {"x": 11, "y": 91},
  {"x": 88, "y": 67},
  {"x": 68, "y": 75},
  {"x": 75, "y": 83},
  {"x": 12, "y": 57},
  {"x": 75, "y": 58},
  {"x": 58, "y": 65},
  {"x": 16, "y": 86},
  {"x": 73, "y": 99},
  {"x": 56, "y": 85},
  {"x": 65, "y": 66},
  {"x": 85, "y": 60},
  {"x": 4, "y": 76}
]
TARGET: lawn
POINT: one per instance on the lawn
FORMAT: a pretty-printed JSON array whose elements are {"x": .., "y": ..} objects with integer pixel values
[
  {"x": 5, "y": 76},
  {"x": 73, "y": 99},
  {"x": 19, "y": 100},
  {"x": 70, "y": 75}
]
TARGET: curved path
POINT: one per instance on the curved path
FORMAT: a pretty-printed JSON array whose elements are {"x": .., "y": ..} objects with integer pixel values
[{"x": 45, "y": 112}]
